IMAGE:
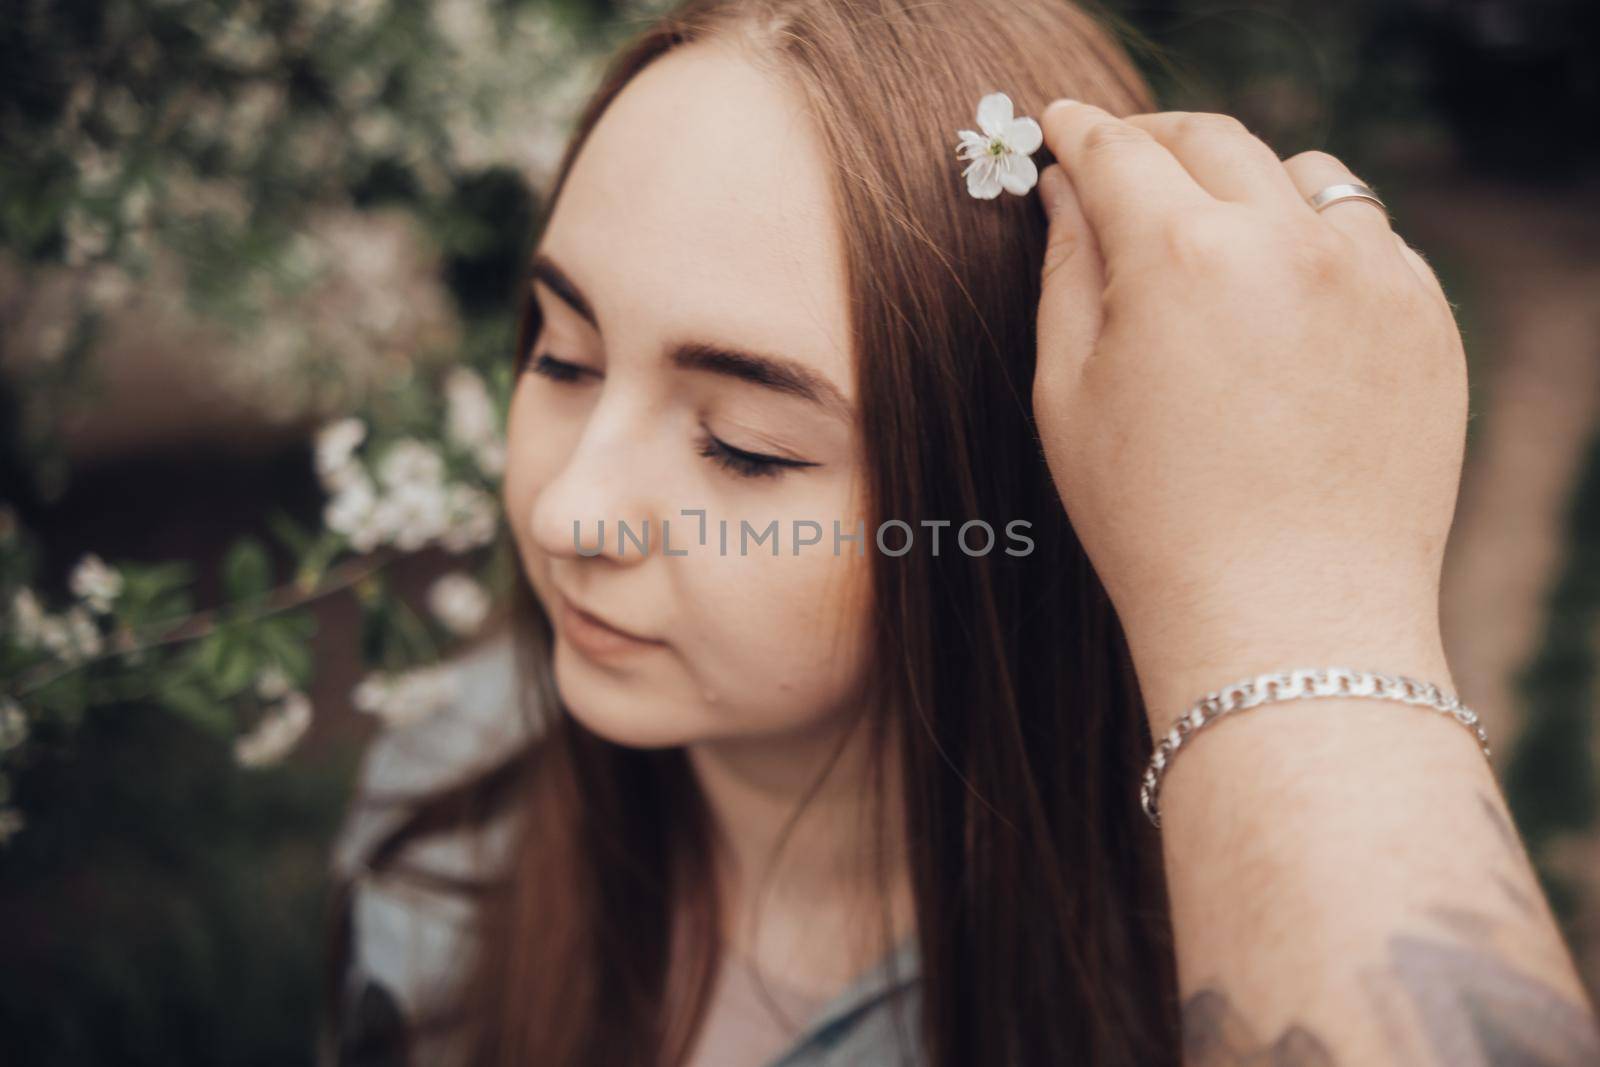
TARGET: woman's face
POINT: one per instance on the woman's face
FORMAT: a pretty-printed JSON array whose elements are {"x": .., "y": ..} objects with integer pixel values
[{"x": 694, "y": 354}]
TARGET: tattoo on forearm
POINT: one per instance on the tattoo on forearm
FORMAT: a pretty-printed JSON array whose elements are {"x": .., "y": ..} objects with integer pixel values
[
  {"x": 1471, "y": 924},
  {"x": 1516, "y": 895},
  {"x": 1477, "y": 1011},
  {"x": 1469, "y": 1007},
  {"x": 1441, "y": 1000},
  {"x": 1503, "y": 828},
  {"x": 1507, "y": 834},
  {"x": 1216, "y": 1035}
]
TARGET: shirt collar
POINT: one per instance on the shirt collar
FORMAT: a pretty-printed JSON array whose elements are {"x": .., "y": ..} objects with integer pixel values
[{"x": 898, "y": 969}]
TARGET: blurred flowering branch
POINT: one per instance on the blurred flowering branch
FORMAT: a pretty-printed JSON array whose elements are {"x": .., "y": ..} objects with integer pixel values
[
  {"x": 317, "y": 184},
  {"x": 130, "y": 632},
  {"x": 341, "y": 193}
]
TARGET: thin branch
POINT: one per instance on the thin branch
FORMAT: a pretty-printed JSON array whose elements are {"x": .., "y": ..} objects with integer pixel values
[{"x": 282, "y": 599}]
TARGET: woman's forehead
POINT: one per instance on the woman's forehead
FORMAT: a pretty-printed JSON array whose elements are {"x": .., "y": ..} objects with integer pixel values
[{"x": 702, "y": 201}]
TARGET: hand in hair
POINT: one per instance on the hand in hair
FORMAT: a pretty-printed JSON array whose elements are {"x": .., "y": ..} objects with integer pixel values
[{"x": 1255, "y": 415}]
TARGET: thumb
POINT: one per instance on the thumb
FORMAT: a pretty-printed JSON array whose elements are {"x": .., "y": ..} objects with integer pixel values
[{"x": 1070, "y": 311}]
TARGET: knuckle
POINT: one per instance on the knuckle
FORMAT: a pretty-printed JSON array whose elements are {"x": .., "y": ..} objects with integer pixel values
[
  {"x": 1110, "y": 136},
  {"x": 1318, "y": 158},
  {"x": 1197, "y": 125}
]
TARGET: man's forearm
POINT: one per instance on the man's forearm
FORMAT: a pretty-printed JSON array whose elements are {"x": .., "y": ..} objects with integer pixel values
[{"x": 1347, "y": 886}]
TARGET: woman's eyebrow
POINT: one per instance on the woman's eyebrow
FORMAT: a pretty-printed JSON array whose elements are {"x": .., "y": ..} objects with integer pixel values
[
  {"x": 544, "y": 270},
  {"x": 769, "y": 371}
]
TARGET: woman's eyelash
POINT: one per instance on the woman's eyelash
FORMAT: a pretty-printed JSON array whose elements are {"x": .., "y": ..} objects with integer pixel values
[
  {"x": 558, "y": 370},
  {"x": 747, "y": 464},
  {"x": 740, "y": 462}
]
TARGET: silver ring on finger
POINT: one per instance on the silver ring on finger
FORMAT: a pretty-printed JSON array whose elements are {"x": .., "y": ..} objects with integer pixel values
[{"x": 1335, "y": 194}]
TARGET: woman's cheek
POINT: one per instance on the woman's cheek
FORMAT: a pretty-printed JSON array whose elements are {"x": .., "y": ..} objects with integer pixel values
[{"x": 789, "y": 631}]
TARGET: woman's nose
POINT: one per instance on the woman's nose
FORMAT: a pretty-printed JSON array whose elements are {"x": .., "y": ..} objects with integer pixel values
[{"x": 607, "y": 498}]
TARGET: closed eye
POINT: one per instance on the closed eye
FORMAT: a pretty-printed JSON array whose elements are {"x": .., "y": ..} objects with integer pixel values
[
  {"x": 559, "y": 370},
  {"x": 747, "y": 464},
  {"x": 742, "y": 462}
]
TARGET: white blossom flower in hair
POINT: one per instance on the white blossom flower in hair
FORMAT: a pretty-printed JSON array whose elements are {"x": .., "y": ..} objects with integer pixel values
[{"x": 1000, "y": 154}]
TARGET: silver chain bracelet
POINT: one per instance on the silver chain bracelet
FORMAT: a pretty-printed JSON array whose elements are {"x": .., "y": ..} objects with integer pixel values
[{"x": 1291, "y": 685}]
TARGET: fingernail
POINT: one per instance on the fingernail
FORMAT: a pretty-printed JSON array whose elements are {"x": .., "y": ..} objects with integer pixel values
[
  {"x": 1065, "y": 101},
  {"x": 1052, "y": 189}
]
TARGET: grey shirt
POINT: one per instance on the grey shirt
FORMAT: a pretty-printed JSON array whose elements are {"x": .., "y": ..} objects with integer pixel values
[
  {"x": 856, "y": 1027},
  {"x": 406, "y": 943},
  {"x": 792, "y": 1029}
]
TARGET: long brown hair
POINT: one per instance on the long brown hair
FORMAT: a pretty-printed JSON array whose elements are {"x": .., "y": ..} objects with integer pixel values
[{"x": 1004, "y": 681}]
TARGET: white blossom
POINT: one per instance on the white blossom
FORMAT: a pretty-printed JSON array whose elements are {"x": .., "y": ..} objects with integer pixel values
[
  {"x": 1000, "y": 154},
  {"x": 465, "y": 24},
  {"x": 122, "y": 111},
  {"x": 13, "y": 724},
  {"x": 28, "y": 618},
  {"x": 253, "y": 110},
  {"x": 353, "y": 513},
  {"x": 107, "y": 286},
  {"x": 85, "y": 634},
  {"x": 410, "y": 462},
  {"x": 273, "y": 683},
  {"x": 278, "y": 731},
  {"x": 470, "y": 417},
  {"x": 95, "y": 583},
  {"x": 414, "y": 507},
  {"x": 413, "y": 514},
  {"x": 474, "y": 517},
  {"x": 136, "y": 206},
  {"x": 369, "y": 693},
  {"x": 97, "y": 168},
  {"x": 376, "y": 130},
  {"x": 408, "y": 697},
  {"x": 56, "y": 638},
  {"x": 336, "y": 446},
  {"x": 363, "y": 12},
  {"x": 459, "y": 602},
  {"x": 87, "y": 237},
  {"x": 73, "y": 636},
  {"x": 240, "y": 41}
]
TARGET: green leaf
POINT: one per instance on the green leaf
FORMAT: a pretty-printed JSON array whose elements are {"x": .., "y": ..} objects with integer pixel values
[
  {"x": 238, "y": 668},
  {"x": 226, "y": 661},
  {"x": 284, "y": 641},
  {"x": 159, "y": 577},
  {"x": 314, "y": 564},
  {"x": 154, "y": 595},
  {"x": 246, "y": 572}
]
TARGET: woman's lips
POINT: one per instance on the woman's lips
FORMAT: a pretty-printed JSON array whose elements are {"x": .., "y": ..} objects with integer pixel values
[{"x": 594, "y": 637}]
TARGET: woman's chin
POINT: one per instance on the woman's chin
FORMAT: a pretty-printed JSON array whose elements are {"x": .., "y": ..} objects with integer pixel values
[
  {"x": 616, "y": 708},
  {"x": 627, "y": 730}
]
